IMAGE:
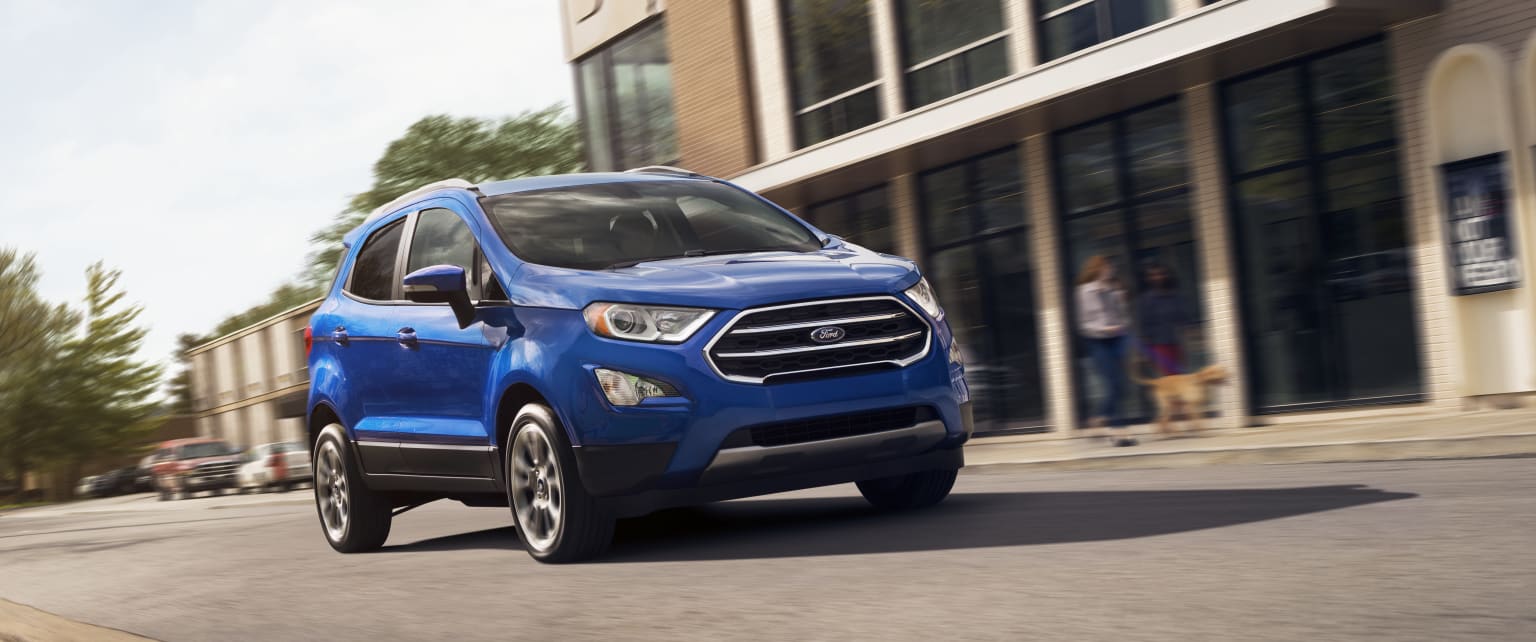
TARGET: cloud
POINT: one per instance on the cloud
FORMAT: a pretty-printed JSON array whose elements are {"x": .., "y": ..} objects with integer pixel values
[{"x": 196, "y": 145}]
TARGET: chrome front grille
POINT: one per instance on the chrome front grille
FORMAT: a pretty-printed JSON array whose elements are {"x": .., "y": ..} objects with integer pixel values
[
  {"x": 215, "y": 470},
  {"x": 818, "y": 339}
]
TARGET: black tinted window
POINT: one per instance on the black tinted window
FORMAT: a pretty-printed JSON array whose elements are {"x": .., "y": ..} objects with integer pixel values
[
  {"x": 615, "y": 224},
  {"x": 441, "y": 238},
  {"x": 373, "y": 275}
]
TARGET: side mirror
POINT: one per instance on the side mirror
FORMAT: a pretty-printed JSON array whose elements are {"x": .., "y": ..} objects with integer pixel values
[{"x": 442, "y": 284}]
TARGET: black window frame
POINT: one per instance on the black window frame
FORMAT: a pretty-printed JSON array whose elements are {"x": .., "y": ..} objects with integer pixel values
[
  {"x": 1104, "y": 24},
  {"x": 957, "y": 54},
  {"x": 611, "y": 107},
  {"x": 477, "y": 277},
  {"x": 847, "y": 201},
  {"x": 1312, "y": 163},
  {"x": 1128, "y": 202},
  {"x": 787, "y": 45}
]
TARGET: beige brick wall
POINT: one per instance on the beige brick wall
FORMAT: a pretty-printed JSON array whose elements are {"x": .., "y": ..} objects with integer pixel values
[
  {"x": 1214, "y": 238},
  {"x": 1504, "y": 25},
  {"x": 902, "y": 195},
  {"x": 1021, "y": 34},
  {"x": 1055, "y": 351},
  {"x": 711, "y": 87}
]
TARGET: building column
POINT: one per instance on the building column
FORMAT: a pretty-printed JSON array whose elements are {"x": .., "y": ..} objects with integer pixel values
[
  {"x": 1213, "y": 237},
  {"x": 1021, "y": 35},
  {"x": 887, "y": 32},
  {"x": 770, "y": 80},
  {"x": 905, "y": 218},
  {"x": 1181, "y": 7},
  {"x": 1055, "y": 349}
]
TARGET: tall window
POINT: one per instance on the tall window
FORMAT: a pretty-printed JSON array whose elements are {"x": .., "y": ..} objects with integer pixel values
[
  {"x": 951, "y": 46},
  {"x": 1071, "y": 25},
  {"x": 979, "y": 260},
  {"x": 832, "y": 61},
  {"x": 863, "y": 218},
  {"x": 1326, "y": 284},
  {"x": 626, "y": 102},
  {"x": 1124, "y": 195}
]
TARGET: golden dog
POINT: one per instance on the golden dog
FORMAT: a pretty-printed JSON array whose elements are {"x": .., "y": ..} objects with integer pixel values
[{"x": 1184, "y": 392}]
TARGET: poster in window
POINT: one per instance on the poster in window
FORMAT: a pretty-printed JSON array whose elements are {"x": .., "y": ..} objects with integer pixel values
[{"x": 1480, "y": 232}]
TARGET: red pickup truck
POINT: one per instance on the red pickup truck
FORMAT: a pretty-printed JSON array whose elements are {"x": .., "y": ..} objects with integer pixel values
[{"x": 185, "y": 466}]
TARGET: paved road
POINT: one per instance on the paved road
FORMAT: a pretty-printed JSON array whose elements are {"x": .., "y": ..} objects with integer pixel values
[{"x": 1399, "y": 551}]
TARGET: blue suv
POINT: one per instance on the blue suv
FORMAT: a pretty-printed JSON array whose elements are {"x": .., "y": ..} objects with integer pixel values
[{"x": 589, "y": 347}]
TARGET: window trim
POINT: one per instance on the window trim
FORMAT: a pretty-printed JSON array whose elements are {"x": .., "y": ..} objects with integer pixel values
[
  {"x": 792, "y": 96},
  {"x": 941, "y": 57},
  {"x": 1103, "y": 22}
]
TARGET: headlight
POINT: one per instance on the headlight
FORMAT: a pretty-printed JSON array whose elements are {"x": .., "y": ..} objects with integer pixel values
[
  {"x": 624, "y": 389},
  {"x": 923, "y": 296},
  {"x": 652, "y": 323}
]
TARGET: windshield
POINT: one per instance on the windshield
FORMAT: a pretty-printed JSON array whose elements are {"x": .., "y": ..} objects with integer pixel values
[
  {"x": 612, "y": 225},
  {"x": 204, "y": 449}
]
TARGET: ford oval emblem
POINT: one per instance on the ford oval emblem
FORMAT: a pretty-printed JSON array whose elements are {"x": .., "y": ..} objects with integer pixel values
[{"x": 828, "y": 334}]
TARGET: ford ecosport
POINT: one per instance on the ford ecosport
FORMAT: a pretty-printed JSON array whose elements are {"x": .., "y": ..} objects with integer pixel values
[{"x": 590, "y": 347}]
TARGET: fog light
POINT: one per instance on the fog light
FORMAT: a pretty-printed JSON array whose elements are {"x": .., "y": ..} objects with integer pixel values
[
  {"x": 624, "y": 389},
  {"x": 955, "y": 355}
]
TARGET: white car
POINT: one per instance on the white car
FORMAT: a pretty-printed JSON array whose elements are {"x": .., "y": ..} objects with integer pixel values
[{"x": 277, "y": 465}]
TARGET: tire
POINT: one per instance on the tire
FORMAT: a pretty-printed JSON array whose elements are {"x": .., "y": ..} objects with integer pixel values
[
  {"x": 540, "y": 475},
  {"x": 165, "y": 495},
  {"x": 353, "y": 518},
  {"x": 905, "y": 492}
]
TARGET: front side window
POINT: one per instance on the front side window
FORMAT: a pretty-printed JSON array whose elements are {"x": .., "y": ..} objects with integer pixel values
[
  {"x": 626, "y": 102},
  {"x": 951, "y": 46},
  {"x": 373, "y": 273},
  {"x": 614, "y": 225},
  {"x": 832, "y": 65},
  {"x": 442, "y": 238},
  {"x": 1071, "y": 25},
  {"x": 863, "y": 218}
]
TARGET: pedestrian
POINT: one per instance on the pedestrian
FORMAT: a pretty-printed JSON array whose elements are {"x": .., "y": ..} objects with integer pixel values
[
  {"x": 1103, "y": 321},
  {"x": 1163, "y": 318}
]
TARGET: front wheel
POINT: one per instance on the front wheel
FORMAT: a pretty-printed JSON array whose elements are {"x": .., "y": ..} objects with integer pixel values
[
  {"x": 556, "y": 518},
  {"x": 917, "y": 490},
  {"x": 353, "y": 517}
]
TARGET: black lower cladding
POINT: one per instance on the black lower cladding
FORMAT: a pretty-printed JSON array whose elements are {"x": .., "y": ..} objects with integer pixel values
[
  {"x": 800, "y": 431},
  {"x": 641, "y": 503},
  {"x": 613, "y": 470}
]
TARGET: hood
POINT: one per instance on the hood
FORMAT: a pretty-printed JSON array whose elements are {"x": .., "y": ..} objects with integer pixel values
[{"x": 732, "y": 281}]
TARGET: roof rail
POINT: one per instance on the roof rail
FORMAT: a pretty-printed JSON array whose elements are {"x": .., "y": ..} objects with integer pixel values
[
  {"x": 664, "y": 169},
  {"x": 415, "y": 194}
]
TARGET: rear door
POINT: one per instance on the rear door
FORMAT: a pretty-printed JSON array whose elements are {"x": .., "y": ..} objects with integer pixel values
[{"x": 367, "y": 348}]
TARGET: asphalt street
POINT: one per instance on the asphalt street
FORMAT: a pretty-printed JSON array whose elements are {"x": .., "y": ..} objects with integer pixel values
[{"x": 1441, "y": 550}]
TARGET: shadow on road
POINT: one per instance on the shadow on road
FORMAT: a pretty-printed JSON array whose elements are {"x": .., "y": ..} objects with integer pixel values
[{"x": 845, "y": 526}]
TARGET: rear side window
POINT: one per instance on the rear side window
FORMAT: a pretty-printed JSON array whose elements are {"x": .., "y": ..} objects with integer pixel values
[{"x": 373, "y": 275}]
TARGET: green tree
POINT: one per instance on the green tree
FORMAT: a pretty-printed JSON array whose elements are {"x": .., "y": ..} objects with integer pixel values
[
  {"x": 437, "y": 147},
  {"x": 31, "y": 331}
]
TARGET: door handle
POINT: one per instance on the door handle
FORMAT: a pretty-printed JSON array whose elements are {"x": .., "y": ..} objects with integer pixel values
[
  {"x": 406, "y": 336},
  {"x": 339, "y": 335}
]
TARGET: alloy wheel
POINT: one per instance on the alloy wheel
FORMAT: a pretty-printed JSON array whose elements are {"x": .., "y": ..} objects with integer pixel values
[{"x": 537, "y": 496}]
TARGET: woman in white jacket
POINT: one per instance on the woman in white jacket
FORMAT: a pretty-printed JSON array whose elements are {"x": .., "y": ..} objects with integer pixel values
[{"x": 1103, "y": 319}]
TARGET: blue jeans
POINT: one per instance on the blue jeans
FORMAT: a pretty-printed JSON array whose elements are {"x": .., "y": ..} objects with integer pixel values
[{"x": 1109, "y": 360}]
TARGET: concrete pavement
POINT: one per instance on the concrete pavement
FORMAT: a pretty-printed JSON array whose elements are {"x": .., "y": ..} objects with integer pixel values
[
  {"x": 1399, "y": 551},
  {"x": 1406, "y": 436}
]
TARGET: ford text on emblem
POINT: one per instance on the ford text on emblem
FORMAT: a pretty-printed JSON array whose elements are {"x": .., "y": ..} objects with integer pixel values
[{"x": 828, "y": 334}]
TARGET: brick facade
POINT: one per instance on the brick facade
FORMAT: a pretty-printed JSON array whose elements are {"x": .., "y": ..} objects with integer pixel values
[{"x": 714, "y": 114}]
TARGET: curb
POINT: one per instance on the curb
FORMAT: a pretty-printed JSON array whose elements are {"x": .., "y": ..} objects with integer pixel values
[{"x": 1479, "y": 447}]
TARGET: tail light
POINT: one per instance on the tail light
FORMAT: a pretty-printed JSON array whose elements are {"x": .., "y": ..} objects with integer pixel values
[{"x": 309, "y": 341}]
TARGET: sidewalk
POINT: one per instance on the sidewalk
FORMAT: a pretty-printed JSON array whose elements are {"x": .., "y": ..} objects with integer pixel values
[{"x": 1440, "y": 435}]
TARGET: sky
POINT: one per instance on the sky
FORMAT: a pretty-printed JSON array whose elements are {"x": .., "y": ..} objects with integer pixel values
[{"x": 196, "y": 145}]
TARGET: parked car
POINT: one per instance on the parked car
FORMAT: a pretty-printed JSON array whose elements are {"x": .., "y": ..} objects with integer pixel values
[
  {"x": 281, "y": 465},
  {"x": 596, "y": 346},
  {"x": 144, "y": 474},
  {"x": 114, "y": 482},
  {"x": 85, "y": 487},
  {"x": 186, "y": 466}
]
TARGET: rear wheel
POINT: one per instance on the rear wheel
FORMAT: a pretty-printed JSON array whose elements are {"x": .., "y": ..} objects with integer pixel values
[
  {"x": 353, "y": 517},
  {"x": 556, "y": 519},
  {"x": 917, "y": 490}
]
